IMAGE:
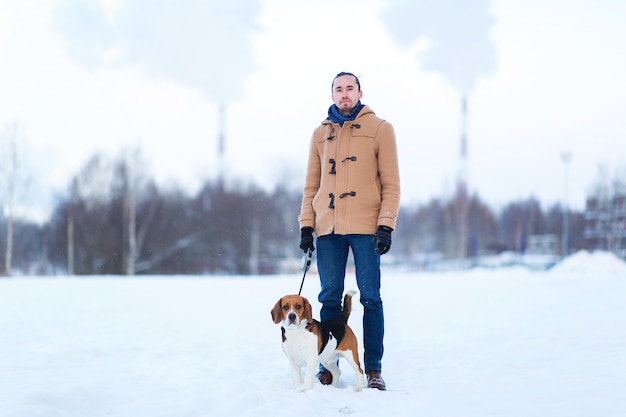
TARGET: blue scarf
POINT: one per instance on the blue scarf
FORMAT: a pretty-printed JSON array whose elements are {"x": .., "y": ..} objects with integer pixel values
[{"x": 335, "y": 116}]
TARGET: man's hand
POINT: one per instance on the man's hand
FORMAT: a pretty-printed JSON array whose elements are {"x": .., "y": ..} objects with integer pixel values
[
  {"x": 382, "y": 240},
  {"x": 306, "y": 239}
]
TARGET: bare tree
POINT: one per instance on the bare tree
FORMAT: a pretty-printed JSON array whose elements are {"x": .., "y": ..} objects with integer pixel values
[
  {"x": 70, "y": 227},
  {"x": 129, "y": 167},
  {"x": 135, "y": 190},
  {"x": 9, "y": 166}
]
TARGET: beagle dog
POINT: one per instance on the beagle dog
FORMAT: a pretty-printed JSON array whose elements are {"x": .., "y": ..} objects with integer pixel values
[{"x": 307, "y": 342}]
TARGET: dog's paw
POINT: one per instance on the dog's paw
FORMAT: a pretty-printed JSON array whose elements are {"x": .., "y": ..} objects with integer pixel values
[
  {"x": 304, "y": 387},
  {"x": 359, "y": 383}
]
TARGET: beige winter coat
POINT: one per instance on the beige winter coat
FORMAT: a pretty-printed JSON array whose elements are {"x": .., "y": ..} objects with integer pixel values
[{"x": 352, "y": 184}]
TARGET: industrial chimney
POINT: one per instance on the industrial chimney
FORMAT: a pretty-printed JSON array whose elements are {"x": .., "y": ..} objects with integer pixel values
[{"x": 462, "y": 197}]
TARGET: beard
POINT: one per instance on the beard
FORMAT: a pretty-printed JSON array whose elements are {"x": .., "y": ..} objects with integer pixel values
[{"x": 346, "y": 107}]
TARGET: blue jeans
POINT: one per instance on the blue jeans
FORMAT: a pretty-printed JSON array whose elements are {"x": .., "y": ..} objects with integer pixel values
[{"x": 332, "y": 257}]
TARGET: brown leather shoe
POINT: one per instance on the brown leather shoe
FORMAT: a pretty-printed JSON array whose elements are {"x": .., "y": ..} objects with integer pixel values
[
  {"x": 325, "y": 377},
  {"x": 375, "y": 380}
]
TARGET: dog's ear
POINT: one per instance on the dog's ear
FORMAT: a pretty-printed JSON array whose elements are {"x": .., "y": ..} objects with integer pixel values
[
  {"x": 308, "y": 311},
  {"x": 277, "y": 312}
]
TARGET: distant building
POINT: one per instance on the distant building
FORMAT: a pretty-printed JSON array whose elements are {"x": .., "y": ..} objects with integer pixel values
[
  {"x": 605, "y": 223},
  {"x": 547, "y": 244}
]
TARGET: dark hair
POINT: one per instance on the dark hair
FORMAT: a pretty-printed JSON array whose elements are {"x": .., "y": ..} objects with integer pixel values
[{"x": 358, "y": 83}]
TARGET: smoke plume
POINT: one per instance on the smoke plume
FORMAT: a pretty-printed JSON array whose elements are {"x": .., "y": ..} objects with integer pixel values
[
  {"x": 458, "y": 35},
  {"x": 200, "y": 44}
]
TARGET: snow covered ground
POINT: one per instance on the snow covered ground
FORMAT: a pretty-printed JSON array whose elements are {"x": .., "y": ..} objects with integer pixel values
[{"x": 505, "y": 343}]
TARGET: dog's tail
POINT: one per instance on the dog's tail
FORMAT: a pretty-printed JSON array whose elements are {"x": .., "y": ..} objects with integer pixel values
[{"x": 347, "y": 305}]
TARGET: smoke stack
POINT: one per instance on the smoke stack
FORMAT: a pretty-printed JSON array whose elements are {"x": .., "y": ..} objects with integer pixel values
[
  {"x": 463, "y": 201},
  {"x": 463, "y": 148},
  {"x": 220, "y": 148},
  {"x": 221, "y": 145}
]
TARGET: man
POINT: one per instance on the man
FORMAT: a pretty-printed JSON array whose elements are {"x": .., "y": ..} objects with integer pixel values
[{"x": 350, "y": 201}]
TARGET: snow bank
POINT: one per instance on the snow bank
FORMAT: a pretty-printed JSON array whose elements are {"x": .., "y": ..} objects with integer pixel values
[{"x": 586, "y": 263}]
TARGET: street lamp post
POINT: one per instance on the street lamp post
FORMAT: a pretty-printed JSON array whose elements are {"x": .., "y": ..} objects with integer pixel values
[{"x": 566, "y": 156}]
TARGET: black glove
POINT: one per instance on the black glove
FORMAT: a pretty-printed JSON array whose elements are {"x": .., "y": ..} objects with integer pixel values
[
  {"x": 382, "y": 240},
  {"x": 306, "y": 239}
]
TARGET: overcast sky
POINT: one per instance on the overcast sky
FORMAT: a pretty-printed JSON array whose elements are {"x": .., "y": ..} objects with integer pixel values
[{"x": 541, "y": 77}]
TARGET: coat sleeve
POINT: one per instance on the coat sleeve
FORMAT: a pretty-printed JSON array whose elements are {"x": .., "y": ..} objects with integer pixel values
[
  {"x": 389, "y": 176},
  {"x": 311, "y": 185}
]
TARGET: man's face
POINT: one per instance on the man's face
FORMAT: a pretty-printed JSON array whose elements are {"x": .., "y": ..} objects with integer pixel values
[{"x": 346, "y": 93}]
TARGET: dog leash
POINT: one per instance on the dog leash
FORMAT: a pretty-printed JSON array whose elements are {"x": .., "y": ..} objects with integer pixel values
[{"x": 304, "y": 266}]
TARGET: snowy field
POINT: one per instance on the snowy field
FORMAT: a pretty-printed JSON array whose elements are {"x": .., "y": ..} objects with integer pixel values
[{"x": 505, "y": 343}]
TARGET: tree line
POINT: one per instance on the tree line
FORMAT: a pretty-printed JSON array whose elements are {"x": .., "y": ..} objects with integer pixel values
[{"x": 116, "y": 220}]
